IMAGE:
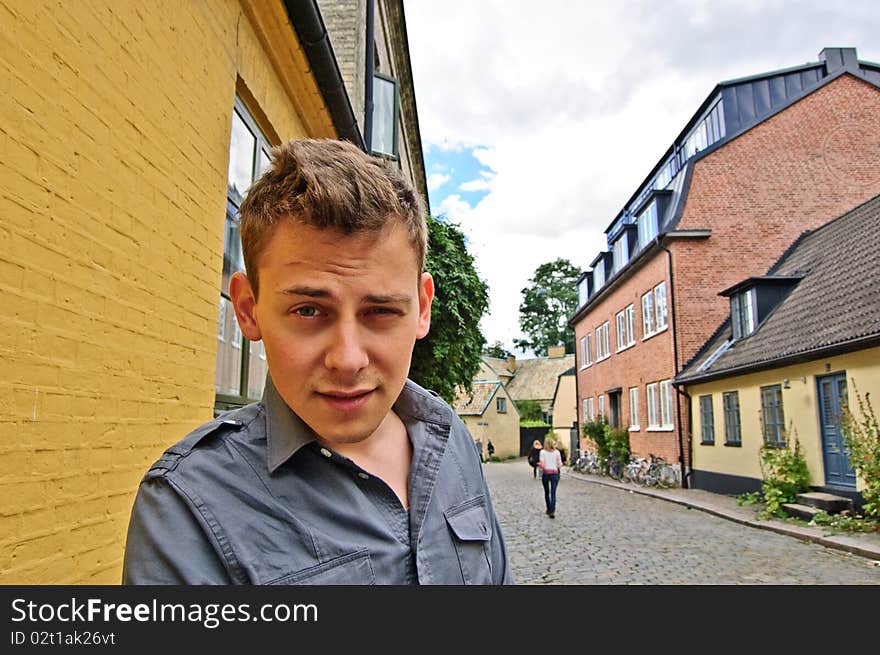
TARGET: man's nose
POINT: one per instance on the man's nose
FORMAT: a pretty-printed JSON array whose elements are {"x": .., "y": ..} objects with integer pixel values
[{"x": 346, "y": 352}]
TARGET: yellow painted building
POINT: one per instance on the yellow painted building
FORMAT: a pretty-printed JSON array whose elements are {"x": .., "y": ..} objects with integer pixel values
[
  {"x": 117, "y": 161},
  {"x": 799, "y": 344},
  {"x": 801, "y": 389},
  {"x": 490, "y": 415}
]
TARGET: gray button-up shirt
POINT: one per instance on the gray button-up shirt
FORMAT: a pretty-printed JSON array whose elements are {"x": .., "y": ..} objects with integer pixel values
[{"x": 252, "y": 498}]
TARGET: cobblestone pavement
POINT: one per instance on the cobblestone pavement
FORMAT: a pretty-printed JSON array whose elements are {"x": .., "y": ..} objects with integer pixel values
[{"x": 606, "y": 535}]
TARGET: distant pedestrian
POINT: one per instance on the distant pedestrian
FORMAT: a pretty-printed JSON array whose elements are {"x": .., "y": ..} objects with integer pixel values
[
  {"x": 491, "y": 449},
  {"x": 534, "y": 456},
  {"x": 551, "y": 463}
]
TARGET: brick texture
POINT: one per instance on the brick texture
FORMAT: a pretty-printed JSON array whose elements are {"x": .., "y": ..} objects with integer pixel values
[
  {"x": 114, "y": 149},
  {"x": 795, "y": 171}
]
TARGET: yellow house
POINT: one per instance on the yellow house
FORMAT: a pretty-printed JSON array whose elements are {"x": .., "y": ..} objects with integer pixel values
[
  {"x": 564, "y": 410},
  {"x": 130, "y": 132},
  {"x": 797, "y": 345},
  {"x": 490, "y": 415}
]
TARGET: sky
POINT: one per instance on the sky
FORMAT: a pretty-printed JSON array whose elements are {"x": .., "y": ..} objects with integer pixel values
[{"x": 540, "y": 119}]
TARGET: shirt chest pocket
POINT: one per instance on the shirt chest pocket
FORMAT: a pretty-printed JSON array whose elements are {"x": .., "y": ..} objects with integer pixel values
[
  {"x": 471, "y": 534},
  {"x": 351, "y": 569}
]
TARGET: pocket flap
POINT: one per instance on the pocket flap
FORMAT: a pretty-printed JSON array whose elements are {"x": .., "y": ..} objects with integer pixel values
[{"x": 469, "y": 521}]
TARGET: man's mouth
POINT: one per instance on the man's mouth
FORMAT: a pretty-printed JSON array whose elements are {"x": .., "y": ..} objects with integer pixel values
[{"x": 346, "y": 400}]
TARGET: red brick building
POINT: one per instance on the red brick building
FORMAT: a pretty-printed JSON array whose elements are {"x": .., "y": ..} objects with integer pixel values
[{"x": 763, "y": 159}]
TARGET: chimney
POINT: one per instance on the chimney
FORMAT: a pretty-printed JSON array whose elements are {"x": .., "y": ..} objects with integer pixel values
[
  {"x": 511, "y": 363},
  {"x": 556, "y": 351},
  {"x": 837, "y": 58}
]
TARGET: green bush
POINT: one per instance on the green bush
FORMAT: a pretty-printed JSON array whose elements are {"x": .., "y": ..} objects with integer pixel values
[
  {"x": 533, "y": 424},
  {"x": 530, "y": 410},
  {"x": 784, "y": 475},
  {"x": 862, "y": 436}
]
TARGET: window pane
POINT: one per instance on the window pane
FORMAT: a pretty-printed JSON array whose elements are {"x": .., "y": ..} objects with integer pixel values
[
  {"x": 257, "y": 369},
  {"x": 660, "y": 303},
  {"x": 227, "y": 376},
  {"x": 233, "y": 258},
  {"x": 383, "y": 116},
  {"x": 647, "y": 314},
  {"x": 633, "y": 407},
  {"x": 263, "y": 162},
  {"x": 242, "y": 144}
]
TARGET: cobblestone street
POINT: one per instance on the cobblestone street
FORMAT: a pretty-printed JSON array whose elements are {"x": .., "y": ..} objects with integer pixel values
[{"x": 604, "y": 535}]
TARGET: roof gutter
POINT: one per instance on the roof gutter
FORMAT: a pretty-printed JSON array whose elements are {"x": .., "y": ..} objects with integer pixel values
[{"x": 305, "y": 17}]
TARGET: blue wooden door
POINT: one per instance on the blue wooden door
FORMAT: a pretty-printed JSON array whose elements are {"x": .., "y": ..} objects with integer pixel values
[{"x": 832, "y": 398}]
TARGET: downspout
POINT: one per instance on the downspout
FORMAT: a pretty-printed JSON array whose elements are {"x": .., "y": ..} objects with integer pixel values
[
  {"x": 305, "y": 17},
  {"x": 368, "y": 80},
  {"x": 678, "y": 392}
]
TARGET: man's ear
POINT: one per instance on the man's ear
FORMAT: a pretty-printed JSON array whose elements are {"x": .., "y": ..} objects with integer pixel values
[
  {"x": 245, "y": 305},
  {"x": 426, "y": 297}
]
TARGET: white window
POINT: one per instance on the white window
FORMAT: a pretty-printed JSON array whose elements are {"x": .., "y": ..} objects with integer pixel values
[
  {"x": 603, "y": 347},
  {"x": 647, "y": 224},
  {"x": 591, "y": 409},
  {"x": 602, "y": 406},
  {"x": 583, "y": 292},
  {"x": 666, "y": 404},
  {"x": 660, "y": 305},
  {"x": 586, "y": 355},
  {"x": 630, "y": 324},
  {"x": 648, "y": 315},
  {"x": 742, "y": 313},
  {"x": 634, "y": 408},
  {"x": 236, "y": 333},
  {"x": 501, "y": 405},
  {"x": 653, "y": 408},
  {"x": 599, "y": 274},
  {"x": 621, "y": 331},
  {"x": 621, "y": 253},
  {"x": 221, "y": 325},
  {"x": 385, "y": 99}
]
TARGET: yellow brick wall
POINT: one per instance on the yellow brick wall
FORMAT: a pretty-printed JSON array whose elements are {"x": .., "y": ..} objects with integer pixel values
[{"x": 114, "y": 149}]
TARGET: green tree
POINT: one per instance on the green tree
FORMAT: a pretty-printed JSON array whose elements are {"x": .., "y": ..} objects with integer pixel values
[
  {"x": 449, "y": 356},
  {"x": 529, "y": 410},
  {"x": 497, "y": 349},
  {"x": 547, "y": 303}
]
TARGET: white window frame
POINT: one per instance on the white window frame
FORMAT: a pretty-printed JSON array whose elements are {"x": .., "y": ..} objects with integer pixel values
[
  {"x": 634, "y": 408},
  {"x": 603, "y": 345},
  {"x": 742, "y": 314},
  {"x": 666, "y": 405},
  {"x": 620, "y": 252},
  {"x": 630, "y": 324},
  {"x": 586, "y": 355},
  {"x": 602, "y": 406},
  {"x": 620, "y": 323},
  {"x": 661, "y": 308},
  {"x": 648, "y": 224},
  {"x": 648, "y": 315},
  {"x": 591, "y": 408},
  {"x": 653, "y": 397}
]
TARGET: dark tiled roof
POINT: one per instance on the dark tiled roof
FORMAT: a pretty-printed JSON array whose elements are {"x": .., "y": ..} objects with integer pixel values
[
  {"x": 835, "y": 304},
  {"x": 476, "y": 404}
]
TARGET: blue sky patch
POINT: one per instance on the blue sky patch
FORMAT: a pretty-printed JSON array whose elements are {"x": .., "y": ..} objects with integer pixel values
[{"x": 448, "y": 170}]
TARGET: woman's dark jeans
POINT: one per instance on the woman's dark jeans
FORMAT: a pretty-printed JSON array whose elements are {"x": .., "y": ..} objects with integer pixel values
[{"x": 550, "y": 480}]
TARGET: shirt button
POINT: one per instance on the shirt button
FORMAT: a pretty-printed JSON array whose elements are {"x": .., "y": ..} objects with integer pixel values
[
  {"x": 325, "y": 452},
  {"x": 364, "y": 476}
]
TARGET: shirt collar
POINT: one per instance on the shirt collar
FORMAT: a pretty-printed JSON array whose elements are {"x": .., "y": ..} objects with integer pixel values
[{"x": 286, "y": 432}]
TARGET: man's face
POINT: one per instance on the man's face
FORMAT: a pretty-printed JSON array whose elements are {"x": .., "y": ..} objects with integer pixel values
[{"x": 338, "y": 316}]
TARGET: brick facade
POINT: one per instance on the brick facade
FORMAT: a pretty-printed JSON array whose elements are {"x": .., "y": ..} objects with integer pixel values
[{"x": 756, "y": 194}]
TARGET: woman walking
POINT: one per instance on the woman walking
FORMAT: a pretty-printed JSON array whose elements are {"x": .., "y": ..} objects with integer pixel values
[
  {"x": 534, "y": 456},
  {"x": 550, "y": 463}
]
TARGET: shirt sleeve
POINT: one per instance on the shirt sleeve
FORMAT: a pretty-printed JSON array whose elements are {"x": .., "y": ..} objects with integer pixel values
[{"x": 166, "y": 545}]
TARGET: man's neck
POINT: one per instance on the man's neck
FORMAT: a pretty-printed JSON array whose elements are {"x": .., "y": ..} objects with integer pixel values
[{"x": 387, "y": 454}]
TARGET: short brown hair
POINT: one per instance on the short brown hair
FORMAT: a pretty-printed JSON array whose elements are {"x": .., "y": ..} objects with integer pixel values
[{"x": 328, "y": 184}]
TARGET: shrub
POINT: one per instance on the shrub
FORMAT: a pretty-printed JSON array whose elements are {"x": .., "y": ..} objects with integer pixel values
[
  {"x": 529, "y": 410},
  {"x": 863, "y": 440},
  {"x": 785, "y": 475}
]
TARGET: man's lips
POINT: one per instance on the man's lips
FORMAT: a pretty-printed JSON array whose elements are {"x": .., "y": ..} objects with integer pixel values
[{"x": 346, "y": 401}]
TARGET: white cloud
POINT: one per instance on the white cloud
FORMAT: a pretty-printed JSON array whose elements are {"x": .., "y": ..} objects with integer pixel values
[
  {"x": 568, "y": 106},
  {"x": 437, "y": 180}
]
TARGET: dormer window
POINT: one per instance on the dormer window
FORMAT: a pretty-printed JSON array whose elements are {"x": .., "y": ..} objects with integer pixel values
[
  {"x": 647, "y": 222},
  {"x": 742, "y": 313},
  {"x": 621, "y": 252},
  {"x": 598, "y": 274}
]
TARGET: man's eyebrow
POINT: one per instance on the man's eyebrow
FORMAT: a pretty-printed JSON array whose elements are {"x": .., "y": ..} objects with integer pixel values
[
  {"x": 311, "y": 292},
  {"x": 401, "y": 298}
]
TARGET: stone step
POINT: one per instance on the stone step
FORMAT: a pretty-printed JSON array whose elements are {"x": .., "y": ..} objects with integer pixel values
[
  {"x": 805, "y": 512},
  {"x": 829, "y": 502}
]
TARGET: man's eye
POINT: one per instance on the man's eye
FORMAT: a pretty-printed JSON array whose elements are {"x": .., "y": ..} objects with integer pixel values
[{"x": 307, "y": 312}]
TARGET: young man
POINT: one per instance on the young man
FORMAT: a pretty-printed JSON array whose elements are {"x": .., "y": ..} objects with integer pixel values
[{"x": 346, "y": 472}]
